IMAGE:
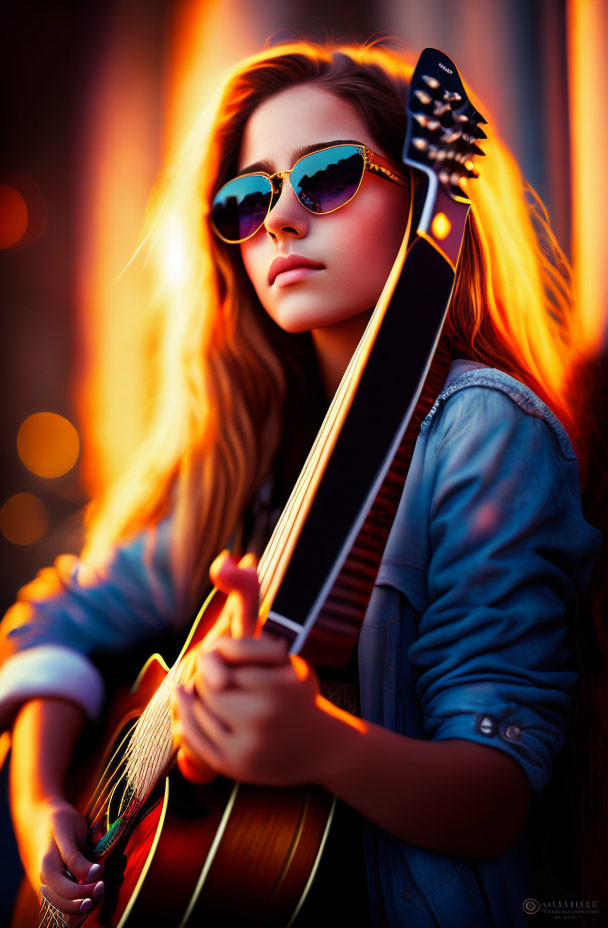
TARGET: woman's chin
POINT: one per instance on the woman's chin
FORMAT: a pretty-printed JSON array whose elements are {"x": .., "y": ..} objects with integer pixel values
[{"x": 306, "y": 318}]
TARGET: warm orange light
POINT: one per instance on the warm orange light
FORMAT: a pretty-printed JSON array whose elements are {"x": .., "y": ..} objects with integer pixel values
[
  {"x": 587, "y": 28},
  {"x": 23, "y": 519},
  {"x": 48, "y": 444},
  {"x": 138, "y": 114},
  {"x": 13, "y": 216},
  {"x": 331, "y": 709},
  {"x": 441, "y": 226},
  {"x": 300, "y": 666},
  {"x": 5, "y": 744}
]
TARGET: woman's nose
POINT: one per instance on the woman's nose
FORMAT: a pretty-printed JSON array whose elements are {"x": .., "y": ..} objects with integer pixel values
[{"x": 287, "y": 217}]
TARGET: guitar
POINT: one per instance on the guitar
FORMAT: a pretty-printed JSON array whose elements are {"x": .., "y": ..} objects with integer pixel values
[{"x": 171, "y": 849}]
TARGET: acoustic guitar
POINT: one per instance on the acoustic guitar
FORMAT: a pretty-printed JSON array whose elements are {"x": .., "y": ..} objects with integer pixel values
[{"x": 228, "y": 854}]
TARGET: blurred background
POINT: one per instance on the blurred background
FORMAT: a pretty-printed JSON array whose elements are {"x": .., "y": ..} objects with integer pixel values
[{"x": 94, "y": 99}]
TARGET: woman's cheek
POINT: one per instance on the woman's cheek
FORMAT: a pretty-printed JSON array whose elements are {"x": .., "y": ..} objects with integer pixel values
[{"x": 251, "y": 255}]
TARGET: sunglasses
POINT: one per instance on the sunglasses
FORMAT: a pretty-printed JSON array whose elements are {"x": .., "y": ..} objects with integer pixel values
[{"x": 323, "y": 181}]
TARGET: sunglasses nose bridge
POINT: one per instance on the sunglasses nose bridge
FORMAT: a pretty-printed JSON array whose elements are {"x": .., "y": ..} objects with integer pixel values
[{"x": 276, "y": 181}]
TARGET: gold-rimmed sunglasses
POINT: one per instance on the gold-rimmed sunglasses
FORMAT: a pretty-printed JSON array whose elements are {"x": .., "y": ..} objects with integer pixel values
[{"x": 323, "y": 181}]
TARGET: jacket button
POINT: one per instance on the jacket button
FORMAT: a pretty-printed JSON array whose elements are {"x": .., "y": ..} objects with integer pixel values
[
  {"x": 486, "y": 725},
  {"x": 513, "y": 732}
]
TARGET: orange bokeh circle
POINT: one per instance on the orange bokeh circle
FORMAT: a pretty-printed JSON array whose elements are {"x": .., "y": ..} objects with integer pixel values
[
  {"x": 48, "y": 444},
  {"x": 24, "y": 519}
]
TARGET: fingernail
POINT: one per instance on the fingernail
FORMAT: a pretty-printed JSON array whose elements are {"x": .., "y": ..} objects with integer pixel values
[
  {"x": 98, "y": 890},
  {"x": 86, "y": 905},
  {"x": 94, "y": 871}
]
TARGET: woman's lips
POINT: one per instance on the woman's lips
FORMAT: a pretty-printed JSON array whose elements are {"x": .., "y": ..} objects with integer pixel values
[
  {"x": 294, "y": 274},
  {"x": 283, "y": 265}
]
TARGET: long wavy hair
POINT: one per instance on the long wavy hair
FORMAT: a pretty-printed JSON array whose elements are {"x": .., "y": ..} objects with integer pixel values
[
  {"x": 227, "y": 376},
  {"x": 222, "y": 393}
]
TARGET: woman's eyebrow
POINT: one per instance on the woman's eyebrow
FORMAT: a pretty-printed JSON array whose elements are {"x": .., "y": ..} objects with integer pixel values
[{"x": 268, "y": 167}]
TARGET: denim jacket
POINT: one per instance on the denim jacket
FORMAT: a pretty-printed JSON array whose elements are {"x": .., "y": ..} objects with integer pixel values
[{"x": 464, "y": 635}]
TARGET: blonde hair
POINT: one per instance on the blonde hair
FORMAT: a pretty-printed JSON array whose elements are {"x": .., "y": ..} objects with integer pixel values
[{"x": 225, "y": 370}]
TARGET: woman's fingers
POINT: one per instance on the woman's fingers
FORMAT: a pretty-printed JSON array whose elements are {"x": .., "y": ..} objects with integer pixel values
[
  {"x": 70, "y": 882},
  {"x": 189, "y": 733},
  {"x": 251, "y": 677},
  {"x": 78, "y": 906},
  {"x": 211, "y": 672},
  {"x": 240, "y": 582},
  {"x": 265, "y": 650},
  {"x": 62, "y": 892},
  {"x": 66, "y": 834},
  {"x": 222, "y": 668}
]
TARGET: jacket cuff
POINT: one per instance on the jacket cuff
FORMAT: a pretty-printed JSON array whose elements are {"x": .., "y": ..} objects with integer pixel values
[
  {"x": 49, "y": 670},
  {"x": 503, "y": 731}
]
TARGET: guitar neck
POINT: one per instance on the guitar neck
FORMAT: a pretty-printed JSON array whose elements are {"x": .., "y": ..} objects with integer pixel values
[{"x": 319, "y": 567}]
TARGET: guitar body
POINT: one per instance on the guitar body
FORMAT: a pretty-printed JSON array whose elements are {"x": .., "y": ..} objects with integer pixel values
[{"x": 182, "y": 853}]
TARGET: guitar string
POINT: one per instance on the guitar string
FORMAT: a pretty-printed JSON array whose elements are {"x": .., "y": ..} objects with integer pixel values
[
  {"x": 151, "y": 744},
  {"x": 103, "y": 786},
  {"x": 51, "y": 915},
  {"x": 110, "y": 779},
  {"x": 286, "y": 520}
]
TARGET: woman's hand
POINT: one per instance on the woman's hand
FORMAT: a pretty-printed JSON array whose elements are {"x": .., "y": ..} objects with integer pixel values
[
  {"x": 57, "y": 833},
  {"x": 50, "y": 832},
  {"x": 251, "y": 711}
]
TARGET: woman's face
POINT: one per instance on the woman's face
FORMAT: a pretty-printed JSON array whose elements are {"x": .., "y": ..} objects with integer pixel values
[{"x": 356, "y": 245}]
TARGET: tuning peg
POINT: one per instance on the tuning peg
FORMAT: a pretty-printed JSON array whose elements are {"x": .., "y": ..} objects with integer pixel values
[
  {"x": 431, "y": 124},
  {"x": 430, "y": 81},
  {"x": 420, "y": 144},
  {"x": 451, "y": 97},
  {"x": 451, "y": 135},
  {"x": 423, "y": 96},
  {"x": 440, "y": 108}
]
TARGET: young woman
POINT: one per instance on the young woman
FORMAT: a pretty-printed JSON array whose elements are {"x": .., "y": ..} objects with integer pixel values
[{"x": 464, "y": 675}]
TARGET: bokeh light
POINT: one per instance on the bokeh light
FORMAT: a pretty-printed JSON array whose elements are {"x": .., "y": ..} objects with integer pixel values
[
  {"x": 441, "y": 226},
  {"x": 13, "y": 216},
  {"x": 23, "y": 519},
  {"x": 48, "y": 444}
]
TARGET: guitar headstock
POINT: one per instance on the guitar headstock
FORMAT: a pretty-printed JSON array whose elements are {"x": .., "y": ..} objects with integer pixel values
[{"x": 443, "y": 125}]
